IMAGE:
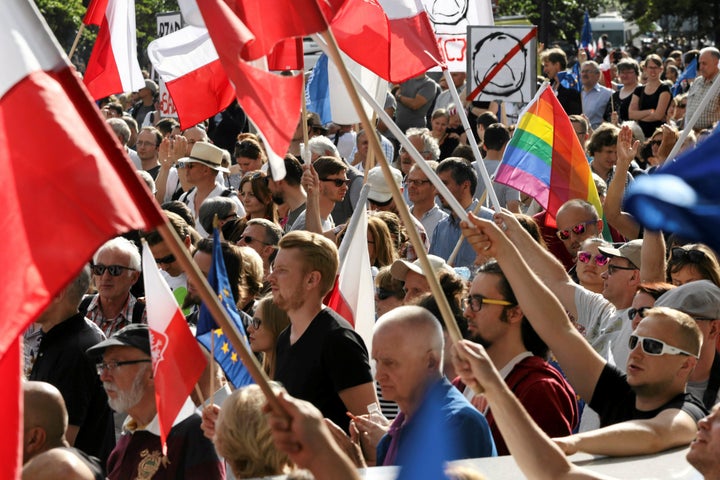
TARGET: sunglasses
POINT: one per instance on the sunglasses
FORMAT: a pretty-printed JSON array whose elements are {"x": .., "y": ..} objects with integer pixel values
[
  {"x": 614, "y": 268},
  {"x": 168, "y": 259},
  {"x": 637, "y": 311},
  {"x": 113, "y": 270},
  {"x": 475, "y": 302},
  {"x": 249, "y": 239},
  {"x": 656, "y": 143},
  {"x": 384, "y": 294},
  {"x": 600, "y": 260},
  {"x": 578, "y": 229},
  {"x": 653, "y": 346},
  {"x": 693, "y": 256},
  {"x": 339, "y": 182},
  {"x": 682, "y": 105}
]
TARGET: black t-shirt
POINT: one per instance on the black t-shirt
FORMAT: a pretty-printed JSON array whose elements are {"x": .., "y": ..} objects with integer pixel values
[
  {"x": 647, "y": 102},
  {"x": 614, "y": 401},
  {"x": 329, "y": 357},
  {"x": 62, "y": 362}
]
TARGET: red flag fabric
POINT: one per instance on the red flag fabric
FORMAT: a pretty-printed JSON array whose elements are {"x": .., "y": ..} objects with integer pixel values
[
  {"x": 287, "y": 55},
  {"x": 11, "y": 410},
  {"x": 67, "y": 184},
  {"x": 271, "y": 101},
  {"x": 95, "y": 12},
  {"x": 271, "y": 21},
  {"x": 113, "y": 65},
  {"x": 178, "y": 361},
  {"x": 188, "y": 63},
  {"x": 393, "y": 38}
]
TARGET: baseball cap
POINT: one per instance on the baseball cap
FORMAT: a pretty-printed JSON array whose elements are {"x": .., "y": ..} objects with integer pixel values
[
  {"x": 379, "y": 189},
  {"x": 400, "y": 268},
  {"x": 699, "y": 299},
  {"x": 206, "y": 154},
  {"x": 135, "y": 335},
  {"x": 630, "y": 251}
]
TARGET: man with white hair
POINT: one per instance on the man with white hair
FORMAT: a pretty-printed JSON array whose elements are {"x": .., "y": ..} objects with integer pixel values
[
  {"x": 115, "y": 267},
  {"x": 122, "y": 131},
  {"x": 708, "y": 70}
]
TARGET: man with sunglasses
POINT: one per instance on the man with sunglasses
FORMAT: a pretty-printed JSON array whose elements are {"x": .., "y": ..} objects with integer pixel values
[
  {"x": 644, "y": 411},
  {"x": 577, "y": 220},
  {"x": 497, "y": 322},
  {"x": 125, "y": 369},
  {"x": 115, "y": 268},
  {"x": 701, "y": 301},
  {"x": 326, "y": 184},
  {"x": 62, "y": 362}
]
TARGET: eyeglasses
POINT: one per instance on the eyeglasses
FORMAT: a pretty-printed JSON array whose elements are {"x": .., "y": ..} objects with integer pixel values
[
  {"x": 637, "y": 311},
  {"x": 475, "y": 302},
  {"x": 614, "y": 268},
  {"x": 113, "y": 270},
  {"x": 384, "y": 294},
  {"x": 653, "y": 346},
  {"x": 249, "y": 239},
  {"x": 255, "y": 323},
  {"x": 680, "y": 254},
  {"x": 339, "y": 182},
  {"x": 682, "y": 105},
  {"x": 168, "y": 259},
  {"x": 145, "y": 144},
  {"x": 185, "y": 164},
  {"x": 417, "y": 183},
  {"x": 600, "y": 260},
  {"x": 578, "y": 229},
  {"x": 111, "y": 366}
]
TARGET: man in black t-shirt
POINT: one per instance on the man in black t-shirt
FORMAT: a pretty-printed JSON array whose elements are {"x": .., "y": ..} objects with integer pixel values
[
  {"x": 646, "y": 411},
  {"x": 320, "y": 358},
  {"x": 62, "y": 362}
]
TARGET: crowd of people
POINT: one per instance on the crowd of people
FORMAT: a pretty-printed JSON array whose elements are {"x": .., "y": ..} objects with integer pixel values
[{"x": 573, "y": 341}]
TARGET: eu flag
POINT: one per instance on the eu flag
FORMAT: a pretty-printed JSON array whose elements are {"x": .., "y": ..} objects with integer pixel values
[
  {"x": 586, "y": 38},
  {"x": 689, "y": 73},
  {"x": 683, "y": 196},
  {"x": 224, "y": 354}
]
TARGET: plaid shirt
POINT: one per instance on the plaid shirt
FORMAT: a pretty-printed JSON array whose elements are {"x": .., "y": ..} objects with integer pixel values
[
  {"x": 710, "y": 110},
  {"x": 112, "y": 325}
]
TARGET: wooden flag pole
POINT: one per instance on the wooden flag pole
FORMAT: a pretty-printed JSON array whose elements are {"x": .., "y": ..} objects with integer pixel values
[
  {"x": 218, "y": 313},
  {"x": 305, "y": 154},
  {"x": 76, "y": 41},
  {"x": 448, "y": 317}
]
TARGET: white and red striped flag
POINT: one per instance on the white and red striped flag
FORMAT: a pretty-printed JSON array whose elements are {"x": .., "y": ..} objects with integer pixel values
[
  {"x": 177, "y": 359},
  {"x": 392, "y": 38},
  {"x": 189, "y": 64},
  {"x": 113, "y": 65},
  {"x": 353, "y": 295}
]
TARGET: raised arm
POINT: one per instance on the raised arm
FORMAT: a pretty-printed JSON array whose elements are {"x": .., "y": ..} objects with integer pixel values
[
  {"x": 536, "y": 455},
  {"x": 622, "y": 221},
  {"x": 653, "y": 257},
  {"x": 579, "y": 361}
]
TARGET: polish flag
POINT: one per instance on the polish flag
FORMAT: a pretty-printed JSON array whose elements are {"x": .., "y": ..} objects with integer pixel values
[
  {"x": 76, "y": 185},
  {"x": 353, "y": 295},
  {"x": 287, "y": 55},
  {"x": 271, "y": 101},
  {"x": 11, "y": 409},
  {"x": 187, "y": 62},
  {"x": 177, "y": 359},
  {"x": 113, "y": 66},
  {"x": 393, "y": 38}
]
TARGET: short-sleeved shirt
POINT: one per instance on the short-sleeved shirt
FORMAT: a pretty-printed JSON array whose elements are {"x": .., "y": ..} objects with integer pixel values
[
  {"x": 446, "y": 236},
  {"x": 594, "y": 102},
  {"x": 62, "y": 362},
  {"x": 647, "y": 102},
  {"x": 407, "y": 117},
  {"x": 711, "y": 108},
  {"x": 614, "y": 401},
  {"x": 329, "y": 357}
]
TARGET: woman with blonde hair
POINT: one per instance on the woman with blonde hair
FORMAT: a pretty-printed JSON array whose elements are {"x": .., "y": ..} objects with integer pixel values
[{"x": 263, "y": 331}]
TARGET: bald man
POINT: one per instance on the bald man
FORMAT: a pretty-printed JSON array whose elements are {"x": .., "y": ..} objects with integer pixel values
[
  {"x": 408, "y": 348},
  {"x": 46, "y": 451}
]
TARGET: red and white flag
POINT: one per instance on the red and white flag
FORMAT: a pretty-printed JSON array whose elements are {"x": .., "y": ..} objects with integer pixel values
[
  {"x": 64, "y": 196},
  {"x": 189, "y": 65},
  {"x": 11, "y": 410},
  {"x": 353, "y": 295},
  {"x": 113, "y": 66},
  {"x": 393, "y": 38},
  {"x": 177, "y": 359}
]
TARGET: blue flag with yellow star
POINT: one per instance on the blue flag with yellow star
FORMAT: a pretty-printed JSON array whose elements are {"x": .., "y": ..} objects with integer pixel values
[{"x": 224, "y": 353}]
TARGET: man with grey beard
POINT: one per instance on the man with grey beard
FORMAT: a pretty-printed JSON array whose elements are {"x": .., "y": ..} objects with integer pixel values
[{"x": 127, "y": 376}]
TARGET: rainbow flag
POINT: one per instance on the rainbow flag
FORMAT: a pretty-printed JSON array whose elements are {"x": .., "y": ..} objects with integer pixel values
[{"x": 545, "y": 160}]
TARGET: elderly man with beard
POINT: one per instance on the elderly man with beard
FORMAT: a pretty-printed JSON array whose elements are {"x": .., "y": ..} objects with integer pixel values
[{"x": 127, "y": 376}]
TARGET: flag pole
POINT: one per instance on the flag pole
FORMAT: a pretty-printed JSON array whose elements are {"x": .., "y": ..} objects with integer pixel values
[
  {"x": 712, "y": 91},
  {"x": 76, "y": 41},
  {"x": 208, "y": 296},
  {"x": 456, "y": 250},
  {"x": 305, "y": 153},
  {"x": 450, "y": 323},
  {"x": 460, "y": 108},
  {"x": 370, "y": 159}
]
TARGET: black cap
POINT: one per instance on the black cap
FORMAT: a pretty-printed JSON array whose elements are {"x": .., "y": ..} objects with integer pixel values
[{"x": 134, "y": 335}]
